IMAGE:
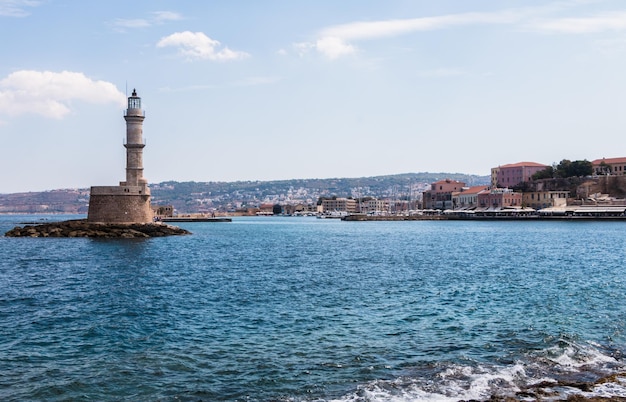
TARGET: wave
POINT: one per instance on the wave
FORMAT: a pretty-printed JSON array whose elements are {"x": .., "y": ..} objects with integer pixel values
[{"x": 578, "y": 371}]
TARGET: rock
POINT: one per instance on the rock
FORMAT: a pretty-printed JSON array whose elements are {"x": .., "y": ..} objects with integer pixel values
[{"x": 83, "y": 228}]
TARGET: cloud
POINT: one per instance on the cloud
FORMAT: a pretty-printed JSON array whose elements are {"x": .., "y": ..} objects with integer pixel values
[
  {"x": 16, "y": 8},
  {"x": 338, "y": 40},
  {"x": 198, "y": 46},
  {"x": 161, "y": 16},
  {"x": 613, "y": 22},
  {"x": 380, "y": 29},
  {"x": 131, "y": 23},
  {"x": 334, "y": 47},
  {"x": 50, "y": 94},
  {"x": 155, "y": 18},
  {"x": 334, "y": 42}
]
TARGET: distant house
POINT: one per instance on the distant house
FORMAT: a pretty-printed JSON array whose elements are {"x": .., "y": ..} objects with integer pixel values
[
  {"x": 506, "y": 176},
  {"x": 499, "y": 198},
  {"x": 163, "y": 210},
  {"x": 440, "y": 194},
  {"x": 290, "y": 209},
  {"x": 468, "y": 197},
  {"x": 339, "y": 205},
  {"x": 544, "y": 199},
  {"x": 265, "y": 209},
  {"x": 611, "y": 166},
  {"x": 374, "y": 205}
]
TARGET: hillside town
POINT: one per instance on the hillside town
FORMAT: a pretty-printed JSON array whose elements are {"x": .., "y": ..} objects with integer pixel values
[
  {"x": 595, "y": 188},
  {"x": 569, "y": 187}
]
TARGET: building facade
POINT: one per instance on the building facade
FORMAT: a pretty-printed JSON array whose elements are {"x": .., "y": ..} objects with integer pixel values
[
  {"x": 544, "y": 199},
  {"x": 373, "y": 206},
  {"x": 499, "y": 198},
  {"x": 610, "y": 166},
  {"x": 510, "y": 175},
  {"x": 440, "y": 194},
  {"x": 339, "y": 205},
  {"x": 468, "y": 198}
]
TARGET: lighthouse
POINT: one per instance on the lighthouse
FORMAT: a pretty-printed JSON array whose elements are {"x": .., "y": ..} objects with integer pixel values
[
  {"x": 134, "y": 145},
  {"x": 130, "y": 201}
]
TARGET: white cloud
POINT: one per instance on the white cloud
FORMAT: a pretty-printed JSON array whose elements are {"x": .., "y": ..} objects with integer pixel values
[
  {"x": 16, "y": 8},
  {"x": 198, "y": 46},
  {"x": 50, "y": 94},
  {"x": 134, "y": 23},
  {"x": 614, "y": 21},
  {"x": 379, "y": 29},
  {"x": 161, "y": 16},
  {"x": 334, "y": 42},
  {"x": 334, "y": 47},
  {"x": 155, "y": 18}
]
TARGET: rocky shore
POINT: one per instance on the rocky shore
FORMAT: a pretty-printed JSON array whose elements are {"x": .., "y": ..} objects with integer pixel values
[{"x": 83, "y": 228}]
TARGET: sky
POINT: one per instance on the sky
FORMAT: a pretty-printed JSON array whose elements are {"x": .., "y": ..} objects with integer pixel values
[{"x": 274, "y": 89}]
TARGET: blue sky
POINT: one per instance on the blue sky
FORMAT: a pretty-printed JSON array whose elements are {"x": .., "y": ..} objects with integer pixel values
[{"x": 267, "y": 90}]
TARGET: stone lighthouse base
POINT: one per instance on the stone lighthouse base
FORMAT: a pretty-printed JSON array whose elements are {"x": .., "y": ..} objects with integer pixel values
[{"x": 120, "y": 204}]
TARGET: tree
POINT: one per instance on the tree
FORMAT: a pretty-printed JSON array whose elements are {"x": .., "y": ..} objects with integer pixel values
[
  {"x": 546, "y": 173},
  {"x": 277, "y": 209},
  {"x": 567, "y": 168}
]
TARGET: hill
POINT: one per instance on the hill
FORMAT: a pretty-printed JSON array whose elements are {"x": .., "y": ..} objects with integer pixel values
[{"x": 192, "y": 197}]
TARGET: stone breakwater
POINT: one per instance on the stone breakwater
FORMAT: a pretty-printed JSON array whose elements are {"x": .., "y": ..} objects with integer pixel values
[{"x": 82, "y": 228}]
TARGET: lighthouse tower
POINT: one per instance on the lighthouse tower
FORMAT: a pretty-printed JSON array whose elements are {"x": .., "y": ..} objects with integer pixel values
[
  {"x": 134, "y": 117},
  {"x": 130, "y": 201}
]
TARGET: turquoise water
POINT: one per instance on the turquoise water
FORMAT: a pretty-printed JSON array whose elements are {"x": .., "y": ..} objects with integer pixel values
[{"x": 304, "y": 309}]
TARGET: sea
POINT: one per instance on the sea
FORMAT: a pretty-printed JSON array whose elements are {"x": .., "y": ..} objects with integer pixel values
[{"x": 305, "y": 309}]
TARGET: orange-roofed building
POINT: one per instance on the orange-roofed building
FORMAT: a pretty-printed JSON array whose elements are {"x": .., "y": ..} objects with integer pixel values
[
  {"x": 510, "y": 175},
  {"x": 468, "y": 197},
  {"x": 615, "y": 166},
  {"x": 499, "y": 198},
  {"x": 440, "y": 194}
]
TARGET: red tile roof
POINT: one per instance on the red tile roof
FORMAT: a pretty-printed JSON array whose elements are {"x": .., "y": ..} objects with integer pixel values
[
  {"x": 475, "y": 189},
  {"x": 609, "y": 161},
  {"x": 523, "y": 164},
  {"x": 448, "y": 181}
]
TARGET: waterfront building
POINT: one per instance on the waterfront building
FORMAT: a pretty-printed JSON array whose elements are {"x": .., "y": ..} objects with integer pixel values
[
  {"x": 339, "y": 205},
  {"x": 544, "y": 199},
  {"x": 515, "y": 173},
  {"x": 374, "y": 205},
  {"x": 499, "y": 198},
  {"x": 299, "y": 209},
  {"x": 611, "y": 166},
  {"x": 440, "y": 194},
  {"x": 130, "y": 201},
  {"x": 467, "y": 198}
]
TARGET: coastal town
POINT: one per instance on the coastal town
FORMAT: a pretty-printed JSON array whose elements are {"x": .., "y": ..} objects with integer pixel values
[
  {"x": 578, "y": 188},
  {"x": 596, "y": 187}
]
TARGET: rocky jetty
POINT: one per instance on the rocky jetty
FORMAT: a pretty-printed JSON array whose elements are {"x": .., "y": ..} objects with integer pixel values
[{"x": 83, "y": 228}]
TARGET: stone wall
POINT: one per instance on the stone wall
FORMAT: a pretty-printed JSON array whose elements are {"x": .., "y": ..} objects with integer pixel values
[{"x": 119, "y": 205}]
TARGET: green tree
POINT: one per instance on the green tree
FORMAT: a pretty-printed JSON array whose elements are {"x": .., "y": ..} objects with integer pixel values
[
  {"x": 567, "y": 168},
  {"x": 582, "y": 168},
  {"x": 546, "y": 173}
]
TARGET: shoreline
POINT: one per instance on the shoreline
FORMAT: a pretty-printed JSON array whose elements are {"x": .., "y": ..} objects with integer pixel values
[{"x": 366, "y": 218}]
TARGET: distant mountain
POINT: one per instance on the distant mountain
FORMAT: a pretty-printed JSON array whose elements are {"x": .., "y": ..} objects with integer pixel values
[
  {"x": 74, "y": 201},
  {"x": 206, "y": 196},
  {"x": 191, "y": 197}
]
